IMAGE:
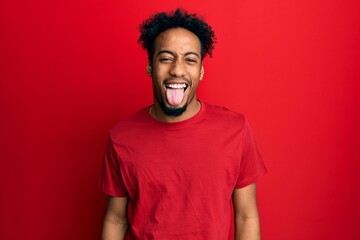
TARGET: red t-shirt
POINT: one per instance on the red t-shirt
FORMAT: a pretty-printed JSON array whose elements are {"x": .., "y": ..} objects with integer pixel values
[{"x": 179, "y": 177}]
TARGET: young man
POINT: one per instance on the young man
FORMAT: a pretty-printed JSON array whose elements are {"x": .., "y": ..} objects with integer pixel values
[{"x": 177, "y": 169}]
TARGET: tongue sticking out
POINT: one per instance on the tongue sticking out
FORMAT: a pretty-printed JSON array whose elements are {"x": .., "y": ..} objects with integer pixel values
[{"x": 174, "y": 95}]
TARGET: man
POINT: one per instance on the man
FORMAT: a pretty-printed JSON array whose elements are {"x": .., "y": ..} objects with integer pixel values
[{"x": 177, "y": 169}]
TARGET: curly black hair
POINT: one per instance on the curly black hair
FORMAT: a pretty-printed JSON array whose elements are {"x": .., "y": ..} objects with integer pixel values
[{"x": 158, "y": 23}]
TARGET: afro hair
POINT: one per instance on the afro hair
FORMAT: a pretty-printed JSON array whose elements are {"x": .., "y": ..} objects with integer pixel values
[{"x": 162, "y": 21}]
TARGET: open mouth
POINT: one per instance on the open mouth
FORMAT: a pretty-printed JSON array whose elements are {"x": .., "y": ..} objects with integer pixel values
[
  {"x": 175, "y": 93},
  {"x": 183, "y": 86}
]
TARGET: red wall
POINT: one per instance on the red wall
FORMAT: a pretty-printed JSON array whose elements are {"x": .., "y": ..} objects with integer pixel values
[{"x": 71, "y": 69}]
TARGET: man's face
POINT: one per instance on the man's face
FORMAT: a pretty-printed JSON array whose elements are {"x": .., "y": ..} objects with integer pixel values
[{"x": 176, "y": 70}]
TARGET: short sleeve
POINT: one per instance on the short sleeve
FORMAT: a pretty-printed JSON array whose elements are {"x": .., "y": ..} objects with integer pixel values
[
  {"x": 252, "y": 165},
  {"x": 111, "y": 182}
]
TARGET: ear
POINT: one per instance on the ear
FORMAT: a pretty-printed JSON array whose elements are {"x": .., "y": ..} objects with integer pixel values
[
  {"x": 202, "y": 72},
  {"x": 149, "y": 69}
]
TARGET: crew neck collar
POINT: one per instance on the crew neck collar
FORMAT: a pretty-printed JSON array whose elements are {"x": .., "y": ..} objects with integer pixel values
[{"x": 179, "y": 124}]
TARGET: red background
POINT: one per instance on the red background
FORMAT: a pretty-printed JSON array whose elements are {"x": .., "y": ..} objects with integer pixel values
[{"x": 71, "y": 69}]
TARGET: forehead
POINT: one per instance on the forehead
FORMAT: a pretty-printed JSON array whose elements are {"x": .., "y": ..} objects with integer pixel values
[{"x": 178, "y": 40}]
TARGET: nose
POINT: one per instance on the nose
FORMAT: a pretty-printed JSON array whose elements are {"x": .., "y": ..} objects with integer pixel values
[{"x": 177, "y": 69}]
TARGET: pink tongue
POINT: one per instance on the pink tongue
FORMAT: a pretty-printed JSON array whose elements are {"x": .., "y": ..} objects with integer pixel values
[{"x": 174, "y": 96}]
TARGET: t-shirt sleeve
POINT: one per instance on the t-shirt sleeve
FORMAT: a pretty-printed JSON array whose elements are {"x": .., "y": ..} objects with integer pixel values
[
  {"x": 111, "y": 182},
  {"x": 252, "y": 165}
]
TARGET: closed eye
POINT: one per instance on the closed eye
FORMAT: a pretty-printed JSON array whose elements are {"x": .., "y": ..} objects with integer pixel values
[
  {"x": 165, "y": 59},
  {"x": 190, "y": 60}
]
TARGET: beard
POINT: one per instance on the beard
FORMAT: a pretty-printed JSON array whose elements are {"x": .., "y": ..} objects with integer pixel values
[
  {"x": 169, "y": 110},
  {"x": 174, "y": 112}
]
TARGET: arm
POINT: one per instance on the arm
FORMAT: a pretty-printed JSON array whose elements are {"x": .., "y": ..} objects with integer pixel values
[
  {"x": 115, "y": 222},
  {"x": 247, "y": 224}
]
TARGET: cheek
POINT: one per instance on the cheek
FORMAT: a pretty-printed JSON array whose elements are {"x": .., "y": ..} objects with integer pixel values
[
  {"x": 159, "y": 72},
  {"x": 196, "y": 74},
  {"x": 157, "y": 83}
]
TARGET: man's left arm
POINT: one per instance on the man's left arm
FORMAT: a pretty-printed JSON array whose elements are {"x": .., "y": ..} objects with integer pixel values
[{"x": 247, "y": 222}]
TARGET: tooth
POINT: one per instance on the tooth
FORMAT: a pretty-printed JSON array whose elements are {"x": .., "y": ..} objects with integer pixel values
[{"x": 177, "y": 85}]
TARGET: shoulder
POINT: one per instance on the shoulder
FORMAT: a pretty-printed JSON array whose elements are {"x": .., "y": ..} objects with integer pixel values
[
  {"x": 224, "y": 115},
  {"x": 131, "y": 124}
]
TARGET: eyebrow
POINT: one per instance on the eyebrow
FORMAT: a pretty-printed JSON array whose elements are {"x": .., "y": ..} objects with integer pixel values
[{"x": 171, "y": 53}]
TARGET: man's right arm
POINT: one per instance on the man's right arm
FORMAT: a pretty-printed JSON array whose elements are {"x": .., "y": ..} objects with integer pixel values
[{"x": 115, "y": 222}]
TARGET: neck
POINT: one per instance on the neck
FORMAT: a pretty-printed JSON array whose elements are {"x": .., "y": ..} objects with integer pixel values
[{"x": 192, "y": 109}]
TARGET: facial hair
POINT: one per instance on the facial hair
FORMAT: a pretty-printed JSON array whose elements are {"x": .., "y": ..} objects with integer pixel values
[
  {"x": 170, "y": 111},
  {"x": 174, "y": 112}
]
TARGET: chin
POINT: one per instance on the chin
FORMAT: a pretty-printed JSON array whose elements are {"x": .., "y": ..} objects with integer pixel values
[{"x": 173, "y": 111}]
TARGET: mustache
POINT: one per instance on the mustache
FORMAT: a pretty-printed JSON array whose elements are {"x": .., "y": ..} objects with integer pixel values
[{"x": 178, "y": 79}]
